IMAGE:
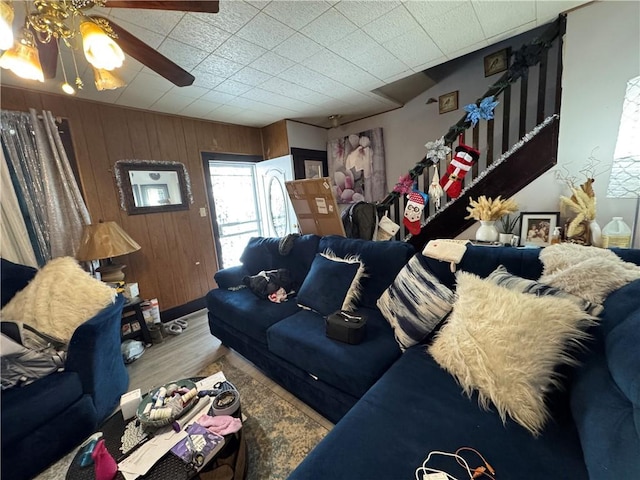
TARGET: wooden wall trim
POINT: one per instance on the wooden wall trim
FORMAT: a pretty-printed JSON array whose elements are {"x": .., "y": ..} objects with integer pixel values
[{"x": 275, "y": 140}]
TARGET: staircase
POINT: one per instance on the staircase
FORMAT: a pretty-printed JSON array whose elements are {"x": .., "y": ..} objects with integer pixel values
[{"x": 517, "y": 146}]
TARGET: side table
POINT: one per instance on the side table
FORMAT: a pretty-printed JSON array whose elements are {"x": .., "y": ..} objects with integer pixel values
[{"x": 133, "y": 308}]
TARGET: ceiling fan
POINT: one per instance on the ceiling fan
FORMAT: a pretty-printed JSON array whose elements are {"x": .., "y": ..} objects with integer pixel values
[{"x": 50, "y": 21}]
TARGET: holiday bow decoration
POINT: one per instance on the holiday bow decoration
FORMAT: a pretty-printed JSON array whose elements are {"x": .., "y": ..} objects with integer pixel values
[
  {"x": 404, "y": 185},
  {"x": 437, "y": 150},
  {"x": 460, "y": 164},
  {"x": 484, "y": 111}
]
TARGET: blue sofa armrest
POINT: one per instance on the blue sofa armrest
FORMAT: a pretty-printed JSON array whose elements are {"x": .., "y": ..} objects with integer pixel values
[
  {"x": 230, "y": 277},
  {"x": 94, "y": 354}
]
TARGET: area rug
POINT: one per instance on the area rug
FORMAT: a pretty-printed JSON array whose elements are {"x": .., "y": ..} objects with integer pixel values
[{"x": 278, "y": 434}]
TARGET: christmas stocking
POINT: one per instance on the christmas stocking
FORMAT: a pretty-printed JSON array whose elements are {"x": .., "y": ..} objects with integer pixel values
[
  {"x": 413, "y": 212},
  {"x": 461, "y": 163}
]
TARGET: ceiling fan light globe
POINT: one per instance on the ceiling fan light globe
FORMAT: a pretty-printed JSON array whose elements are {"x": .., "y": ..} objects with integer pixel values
[
  {"x": 107, "y": 80},
  {"x": 24, "y": 61},
  {"x": 68, "y": 89},
  {"x": 100, "y": 50},
  {"x": 6, "y": 26}
]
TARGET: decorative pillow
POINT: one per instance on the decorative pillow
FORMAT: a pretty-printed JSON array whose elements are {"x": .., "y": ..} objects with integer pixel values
[
  {"x": 60, "y": 297},
  {"x": 589, "y": 272},
  {"x": 500, "y": 276},
  {"x": 506, "y": 345},
  {"x": 415, "y": 303},
  {"x": 332, "y": 284}
]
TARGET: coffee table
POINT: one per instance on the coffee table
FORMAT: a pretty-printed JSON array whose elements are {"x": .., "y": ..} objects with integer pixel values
[{"x": 231, "y": 460}]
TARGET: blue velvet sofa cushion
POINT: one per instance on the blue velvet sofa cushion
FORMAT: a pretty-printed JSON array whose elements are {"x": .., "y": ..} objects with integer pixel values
[
  {"x": 328, "y": 283},
  {"x": 417, "y": 407},
  {"x": 605, "y": 419},
  {"x": 262, "y": 253},
  {"x": 22, "y": 407},
  {"x": 13, "y": 278},
  {"x": 301, "y": 340},
  {"x": 382, "y": 261},
  {"x": 246, "y": 312}
]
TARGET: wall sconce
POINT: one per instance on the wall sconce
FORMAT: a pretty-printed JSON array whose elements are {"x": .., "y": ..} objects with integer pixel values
[{"x": 335, "y": 120}]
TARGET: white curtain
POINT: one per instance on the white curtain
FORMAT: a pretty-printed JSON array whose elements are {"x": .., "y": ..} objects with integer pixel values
[
  {"x": 15, "y": 244},
  {"x": 52, "y": 203}
]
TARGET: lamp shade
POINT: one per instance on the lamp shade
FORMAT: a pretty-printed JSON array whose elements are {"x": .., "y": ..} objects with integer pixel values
[
  {"x": 104, "y": 240},
  {"x": 6, "y": 28},
  {"x": 24, "y": 61}
]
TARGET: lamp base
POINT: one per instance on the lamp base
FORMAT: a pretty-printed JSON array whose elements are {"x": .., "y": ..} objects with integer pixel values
[{"x": 111, "y": 272}]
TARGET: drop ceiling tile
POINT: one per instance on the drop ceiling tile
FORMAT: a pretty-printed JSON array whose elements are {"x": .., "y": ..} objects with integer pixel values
[
  {"x": 250, "y": 76},
  {"x": 90, "y": 93},
  {"x": 379, "y": 62},
  {"x": 231, "y": 17},
  {"x": 232, "y": 87},
  {"x": 297, "y": 47},
  {"x": 217, "y": 97},
  {"x": 218, "y": 66},
  {"x": 259, "y": 4},
  {"x": 205, "y": 79},
  {"x": 145, "y": 80},
  {"x": 184, "y": 55},
  {"x": 391, "y": 25},
  {"x": 354, "y": 45},
  {"x": 512, "y": 33},
  {"x": 363, "y": 12},
  {"x": 227, "y": 110},
  {"x": 199, "y": 108},
  {"x": 456, "y": 29},
  {"x": 329, "y": 28},
  {"x": 265, "y": 31},
  {"x": 291, "y": 90},
  {"x": 414, "y": 47},
  {"x": 315, "y": 81},
  {"x": 193, "y": 31},
  {"x": 152, "y": 39},
  {"x": 423, "y": 10},
  {"x": 158, "y": 21},
  {"x": 240, "y": 50},
  {"x": 272, "y": 63},
  {"x": 333, "y": 66},
  {"x": 191, "y": 91},
  {"x": 170, "y": 103},
  {"x": 433, "y": 63},
  {"x": 139, "y": 97},
  {"x": 296, "y": 14},
  {"x": 254, "y": 119},
  {"x": 271, "y": 98},
  {"x": 498, "y": 17}
]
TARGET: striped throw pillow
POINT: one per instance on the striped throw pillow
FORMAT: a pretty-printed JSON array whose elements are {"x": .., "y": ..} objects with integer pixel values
[
  {"x": 501, "y": 277},
  {"x": 415, "y": 303}
]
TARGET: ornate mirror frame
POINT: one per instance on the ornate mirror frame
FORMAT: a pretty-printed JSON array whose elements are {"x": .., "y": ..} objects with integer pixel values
[{"x": 127, "y": 199}]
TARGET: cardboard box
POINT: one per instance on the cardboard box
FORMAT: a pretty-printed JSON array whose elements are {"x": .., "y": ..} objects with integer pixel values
[{"x": 131, "y": 290}]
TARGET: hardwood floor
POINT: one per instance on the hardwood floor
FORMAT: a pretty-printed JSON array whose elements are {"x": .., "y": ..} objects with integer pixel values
[{"x": 185, "y": 355}]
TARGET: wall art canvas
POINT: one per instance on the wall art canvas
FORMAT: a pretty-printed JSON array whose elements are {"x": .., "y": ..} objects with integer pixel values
[{"x": 357, "y": 167}]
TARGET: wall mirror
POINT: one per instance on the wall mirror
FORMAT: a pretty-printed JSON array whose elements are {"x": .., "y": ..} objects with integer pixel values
[{"x": 148, "y": 186}]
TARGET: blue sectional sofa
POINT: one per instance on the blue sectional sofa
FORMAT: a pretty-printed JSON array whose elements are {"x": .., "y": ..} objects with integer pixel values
[
  {"x": 43, "y": 421},
  {"x": 386, "y": 426}
]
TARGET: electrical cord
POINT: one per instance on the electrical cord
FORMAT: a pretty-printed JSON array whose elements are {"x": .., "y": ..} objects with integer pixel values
[
  {"x": 481, "y": 470},
  {"x": 424, "y": 469}
]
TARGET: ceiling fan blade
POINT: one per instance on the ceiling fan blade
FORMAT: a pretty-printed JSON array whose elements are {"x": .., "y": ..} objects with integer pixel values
[
  {"x": 48, "y": 53},
  {"x": 208, "y": 6},
  {"x": 153, "y": 59}
]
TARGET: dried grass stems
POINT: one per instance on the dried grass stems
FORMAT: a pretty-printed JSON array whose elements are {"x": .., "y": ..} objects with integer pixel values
[
  {"x": 489, "y": 209},
  {"x": 583, "y": 204}
]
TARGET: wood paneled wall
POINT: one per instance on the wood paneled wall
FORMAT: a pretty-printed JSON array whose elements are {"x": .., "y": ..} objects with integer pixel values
[
  {"x": 178, "y": 260},
  {"x": 275, "y": 141}
]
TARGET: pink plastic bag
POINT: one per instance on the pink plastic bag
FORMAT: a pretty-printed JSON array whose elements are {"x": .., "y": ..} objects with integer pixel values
[{"x": 104, "y": 464}]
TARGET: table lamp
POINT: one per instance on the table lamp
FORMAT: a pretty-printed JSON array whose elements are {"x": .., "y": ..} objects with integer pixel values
[
  {"x": 103, "y": 241},
  {"x": 624, "y": 181}
]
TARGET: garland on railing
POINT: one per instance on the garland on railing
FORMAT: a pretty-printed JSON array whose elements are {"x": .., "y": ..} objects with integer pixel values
[
  {"x": 524, "y": 58},
  {"x": 503, "y": 158}
]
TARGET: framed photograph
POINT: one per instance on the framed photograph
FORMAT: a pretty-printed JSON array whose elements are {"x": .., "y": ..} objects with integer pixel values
[
  {"x": 313, "y": 169},
  {"x": 448, "y": 102},
  {"x": 496, "y": 62},
  {"x": 536, "y": 228}
]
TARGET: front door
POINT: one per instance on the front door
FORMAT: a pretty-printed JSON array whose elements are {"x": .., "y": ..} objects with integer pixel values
[{"x": 277, "y": 216}]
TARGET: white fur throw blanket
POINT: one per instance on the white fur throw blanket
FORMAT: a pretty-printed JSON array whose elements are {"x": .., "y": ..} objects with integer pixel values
[
  {"x": 59, "y": 298},
  {"x": 588, "y": 272}
]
